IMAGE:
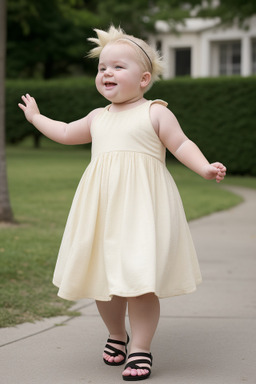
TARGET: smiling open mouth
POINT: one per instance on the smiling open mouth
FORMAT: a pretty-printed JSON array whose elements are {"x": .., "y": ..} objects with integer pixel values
[{"x": 109, "y": 84}]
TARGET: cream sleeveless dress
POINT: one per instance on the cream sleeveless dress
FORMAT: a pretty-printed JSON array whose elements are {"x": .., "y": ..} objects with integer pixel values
[{"x": 126, "y": 234}]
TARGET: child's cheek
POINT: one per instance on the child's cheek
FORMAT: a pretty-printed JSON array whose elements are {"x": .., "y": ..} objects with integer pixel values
[{"x": 98, "y": 83}]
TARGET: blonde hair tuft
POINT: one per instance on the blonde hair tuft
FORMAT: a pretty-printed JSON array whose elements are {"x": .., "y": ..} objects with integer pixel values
[{"x": 149, "y": 57}]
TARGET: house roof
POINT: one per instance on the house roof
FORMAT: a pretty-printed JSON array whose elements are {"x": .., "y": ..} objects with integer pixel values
[{"x": 189, "y": 25}]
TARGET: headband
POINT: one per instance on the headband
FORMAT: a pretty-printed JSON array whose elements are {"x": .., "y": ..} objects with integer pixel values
[{"x": 126, "y": 38}]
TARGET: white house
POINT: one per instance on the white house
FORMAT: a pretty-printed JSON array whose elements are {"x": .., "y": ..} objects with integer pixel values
[{"x": 204, "y": 47}]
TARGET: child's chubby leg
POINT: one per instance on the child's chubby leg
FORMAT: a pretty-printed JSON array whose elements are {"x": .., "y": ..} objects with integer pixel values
[
  {"x": 113, "y": 314},
  {"x": 144, "y": 313}
]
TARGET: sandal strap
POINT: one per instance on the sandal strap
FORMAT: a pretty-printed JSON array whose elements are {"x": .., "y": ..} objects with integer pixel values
[
  {"x": 134, "y": 364},
  {"x": 116, "y": 342},
  {"x": 115, "y": 352},
  {"x": 144, "y": 354}
]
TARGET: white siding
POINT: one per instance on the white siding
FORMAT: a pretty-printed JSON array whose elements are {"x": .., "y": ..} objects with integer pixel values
[{"x": 204, "y": 37}]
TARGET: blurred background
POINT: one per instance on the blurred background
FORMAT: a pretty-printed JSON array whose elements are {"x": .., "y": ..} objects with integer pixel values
[
  {"x": 209, "y": 53},
  {"x": 208, "y": 49},
  {"x": 48, "y": 38}
]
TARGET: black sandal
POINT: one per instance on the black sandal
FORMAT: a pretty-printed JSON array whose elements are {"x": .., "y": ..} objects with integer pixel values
[
  {"x": 133, "y": 365},
  {"x": 116, "y": 351}
]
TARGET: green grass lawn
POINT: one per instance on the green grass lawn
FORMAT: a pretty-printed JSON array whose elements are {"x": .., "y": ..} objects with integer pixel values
[{"x": 42, "y": 184}]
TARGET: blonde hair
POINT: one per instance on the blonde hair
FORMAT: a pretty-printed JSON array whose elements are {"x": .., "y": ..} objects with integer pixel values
[{"x": 148, "y": 57}]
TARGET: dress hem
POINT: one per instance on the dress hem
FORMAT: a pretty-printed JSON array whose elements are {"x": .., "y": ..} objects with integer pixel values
[{"x": 179, "y": 292}]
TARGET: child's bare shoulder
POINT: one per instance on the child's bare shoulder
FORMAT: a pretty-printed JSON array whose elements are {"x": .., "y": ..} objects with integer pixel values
[
  {"x": 159, "y": 113},
  {"x": 96, "y": 111},
  {"x": 93, "y": 114}
]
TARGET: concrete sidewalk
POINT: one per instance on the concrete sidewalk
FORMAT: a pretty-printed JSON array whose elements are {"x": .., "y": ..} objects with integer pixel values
[{"x": 208, "y": 337}]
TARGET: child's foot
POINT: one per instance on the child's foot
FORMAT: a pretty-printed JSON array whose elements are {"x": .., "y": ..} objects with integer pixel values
[
  {"x": 138, "y": 366},
  {"x": 115, "y": 351}
]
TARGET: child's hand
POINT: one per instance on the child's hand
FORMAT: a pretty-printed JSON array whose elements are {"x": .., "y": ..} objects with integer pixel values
[
  {"x": 30, "y": 108},
  {"x": 215, "y": 171}
]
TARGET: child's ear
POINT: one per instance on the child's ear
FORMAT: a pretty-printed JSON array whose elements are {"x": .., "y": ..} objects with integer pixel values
[{"x": 145, "y": 79}]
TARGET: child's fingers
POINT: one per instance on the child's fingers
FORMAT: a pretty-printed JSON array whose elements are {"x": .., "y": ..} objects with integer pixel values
[
  {"x": 27, "y": 99},
  {"x": 24, "y": 99},
  {"x": 222, "y": 168},
  {"x": 28, "y": 103},
  {"x": 22, "y": 106},
  {"x": 221, "y": 174},
  {"x": 220, "y": 171},
  {"x": 219, "y": 165}
]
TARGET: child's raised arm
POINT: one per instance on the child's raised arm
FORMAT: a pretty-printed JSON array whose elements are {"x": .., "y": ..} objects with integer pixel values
[
  {"x": 77, "y": 132},
  {"x": 185, "y": 150}
]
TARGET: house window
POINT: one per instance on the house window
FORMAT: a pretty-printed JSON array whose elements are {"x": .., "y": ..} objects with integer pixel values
[
  {"x": 230, "y": 58},
  {"x": 254, "y": 56},
  {"x": 159, "y": 46},
  {"x": 183, "y": 62}
]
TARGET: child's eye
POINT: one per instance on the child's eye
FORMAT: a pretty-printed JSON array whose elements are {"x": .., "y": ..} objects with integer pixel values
[
  {"x": 102, "y": 69},
  {"x": 118, "y": 67}
]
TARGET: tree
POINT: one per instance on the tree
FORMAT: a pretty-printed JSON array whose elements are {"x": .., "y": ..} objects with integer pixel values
[
  {"x": 5, "y": 207},
  {"x": 139, "y": 17},
  {"x": 47, "y": 38},
  {"x": 228, "y": 10}
]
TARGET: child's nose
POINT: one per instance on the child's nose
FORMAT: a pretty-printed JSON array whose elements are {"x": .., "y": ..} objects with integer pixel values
[{"x": 108, "y": 71}]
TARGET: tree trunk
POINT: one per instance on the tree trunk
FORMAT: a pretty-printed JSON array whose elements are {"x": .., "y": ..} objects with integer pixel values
[
  {"x": 37, "y": 138},
  {"x": 5, "y": 207}
]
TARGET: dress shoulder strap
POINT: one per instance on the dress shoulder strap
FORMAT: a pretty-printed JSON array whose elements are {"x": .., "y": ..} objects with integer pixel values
[{"x": 159, "y": 101}]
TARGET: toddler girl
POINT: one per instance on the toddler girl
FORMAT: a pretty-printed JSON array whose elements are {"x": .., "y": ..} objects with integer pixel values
[{"x": 126, "y": 241}]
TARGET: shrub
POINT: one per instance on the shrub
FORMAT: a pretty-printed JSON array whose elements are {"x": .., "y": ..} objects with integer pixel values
[
  {"x": 65, "y": 100},
  {"x": 217, "y": 113}
]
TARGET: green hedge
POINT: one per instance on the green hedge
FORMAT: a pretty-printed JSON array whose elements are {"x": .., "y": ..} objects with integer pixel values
[
  {"x": 64, "y": 100},
  {"x": 218, "y": 113}
]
